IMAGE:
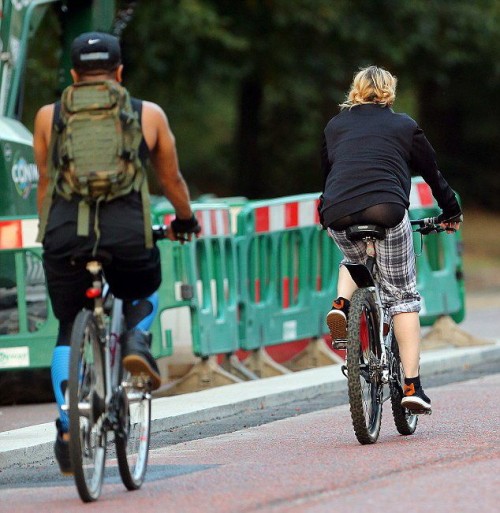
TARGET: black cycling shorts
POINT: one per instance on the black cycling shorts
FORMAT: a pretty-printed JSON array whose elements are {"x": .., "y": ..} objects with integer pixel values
[{"x": 134, "y": 272}]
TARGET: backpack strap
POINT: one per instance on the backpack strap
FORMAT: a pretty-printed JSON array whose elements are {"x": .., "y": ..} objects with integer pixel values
[
  {"x": 143, "y": 156},
  {"x": 146, "y": 214}
]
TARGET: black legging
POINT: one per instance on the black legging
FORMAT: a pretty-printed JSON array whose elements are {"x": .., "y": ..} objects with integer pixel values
[{"x": 387, "y": 215}]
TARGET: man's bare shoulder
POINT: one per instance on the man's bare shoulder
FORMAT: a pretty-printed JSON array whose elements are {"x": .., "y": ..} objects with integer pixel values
[
  {"x": 44, "y": 116},
  {"x": 153, "y": 111}
]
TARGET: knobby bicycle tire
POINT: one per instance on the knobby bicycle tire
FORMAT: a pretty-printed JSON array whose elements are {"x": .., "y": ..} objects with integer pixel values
[
  {"x": 132, "y": 439},
  {"x": 87, "y": 442},
  {"x": 363, "y": 367},
  {"x": 405, "y": 421}
]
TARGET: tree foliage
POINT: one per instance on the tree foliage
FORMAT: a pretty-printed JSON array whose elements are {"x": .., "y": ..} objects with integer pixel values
[{"x": 248, "y": 85}]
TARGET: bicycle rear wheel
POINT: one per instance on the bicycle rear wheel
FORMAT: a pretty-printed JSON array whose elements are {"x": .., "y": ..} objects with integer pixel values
[
  {"x": 405, "y": 421},
  {"x": 363, "y": 367},
  {"x": 132, "y": 440},
  {"x": 87, "y": 442}
]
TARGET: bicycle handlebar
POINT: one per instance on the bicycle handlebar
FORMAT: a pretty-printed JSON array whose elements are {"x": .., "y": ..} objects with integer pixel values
[
  {"x": 160, "y": 232},
  {"x": 429, "y": 225}
]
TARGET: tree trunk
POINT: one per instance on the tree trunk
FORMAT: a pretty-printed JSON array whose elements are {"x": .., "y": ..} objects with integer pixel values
[{"x": 249, "y": 174}]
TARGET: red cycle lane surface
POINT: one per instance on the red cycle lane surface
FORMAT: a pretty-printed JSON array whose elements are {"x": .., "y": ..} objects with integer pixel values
[{"x": 313, "y": 463}]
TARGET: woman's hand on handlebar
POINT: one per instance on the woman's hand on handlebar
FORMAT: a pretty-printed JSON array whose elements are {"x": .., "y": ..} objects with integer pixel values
[
  {"x": 450, "y": 227},
  {"x": 451, "y": 224}
]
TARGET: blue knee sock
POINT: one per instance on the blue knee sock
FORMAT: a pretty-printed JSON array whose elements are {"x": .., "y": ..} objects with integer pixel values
[
  {"x": 60, "y": 375},
  {"x": 145, "y": 323}
]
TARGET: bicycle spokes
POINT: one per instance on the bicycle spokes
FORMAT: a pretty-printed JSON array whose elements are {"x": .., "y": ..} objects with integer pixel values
[{"x": 363, "y": 367}]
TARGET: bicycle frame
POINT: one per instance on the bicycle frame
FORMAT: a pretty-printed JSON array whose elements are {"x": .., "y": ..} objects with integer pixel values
[
  {"x": 363, "y": 276},
  {"x": 109, "y": 331},
  {"x": 104, "y": 396}
]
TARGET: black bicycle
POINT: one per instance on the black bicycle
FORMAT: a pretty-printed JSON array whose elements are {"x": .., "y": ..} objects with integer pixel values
[
  {"x": 372, "y": 356},
  {"x": 103, "y": 396}
]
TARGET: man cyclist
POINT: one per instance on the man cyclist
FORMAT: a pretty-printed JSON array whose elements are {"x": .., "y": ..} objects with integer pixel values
[
  {"x": 117, "y": 227},
  {"x": 368, "y": 151}
]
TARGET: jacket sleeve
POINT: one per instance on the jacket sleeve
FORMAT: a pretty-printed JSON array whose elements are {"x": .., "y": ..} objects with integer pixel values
[
  {"x": 325, "y": 162},
  {"x": 325, "y": 168},
  {"x": 423, "y": 162}
]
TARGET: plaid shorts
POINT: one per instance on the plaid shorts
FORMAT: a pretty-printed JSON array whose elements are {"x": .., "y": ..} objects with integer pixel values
[{"x": 396, "y": 272}]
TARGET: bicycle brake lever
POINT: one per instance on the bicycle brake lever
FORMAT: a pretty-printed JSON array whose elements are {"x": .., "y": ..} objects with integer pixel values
[{"x": 427, "y": 229}]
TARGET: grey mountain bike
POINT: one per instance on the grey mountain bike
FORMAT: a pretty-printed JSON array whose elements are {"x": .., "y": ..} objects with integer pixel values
[
  {"x": 103, "y": 397},
  {"x": 372, "y": 356}
]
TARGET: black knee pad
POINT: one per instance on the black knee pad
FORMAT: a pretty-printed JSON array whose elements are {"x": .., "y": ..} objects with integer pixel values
[{"x": 64, "y": 334}]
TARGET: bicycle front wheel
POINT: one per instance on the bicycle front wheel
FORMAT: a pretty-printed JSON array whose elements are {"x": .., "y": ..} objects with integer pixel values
[
  {"x": 132, "y": 439},
  {"x": 87, "y": 442},
  {"x": 405, "y": 421},
  {"x": 363, "y": 367}
]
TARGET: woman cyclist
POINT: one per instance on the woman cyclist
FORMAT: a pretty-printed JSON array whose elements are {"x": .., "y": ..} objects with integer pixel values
[{"x": 367, "y": 155}]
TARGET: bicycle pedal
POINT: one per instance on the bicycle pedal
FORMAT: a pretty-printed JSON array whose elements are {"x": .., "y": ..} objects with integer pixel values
[
  {"x": 141, "y": 381},
  {"x": 339, "y": 344},
  {"x": 420, "y": 412}
]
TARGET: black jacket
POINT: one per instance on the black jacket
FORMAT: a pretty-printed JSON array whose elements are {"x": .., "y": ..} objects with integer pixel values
[{"x": 368, "y": 155}]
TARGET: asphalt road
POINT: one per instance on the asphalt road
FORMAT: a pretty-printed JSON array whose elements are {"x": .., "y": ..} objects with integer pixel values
[
  {"x": 321, "y": 402},
  {"x": 303, "y": 456}
]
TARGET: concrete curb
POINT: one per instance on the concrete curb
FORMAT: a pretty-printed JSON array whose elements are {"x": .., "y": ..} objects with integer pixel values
[{"x": 34, "y": 444}]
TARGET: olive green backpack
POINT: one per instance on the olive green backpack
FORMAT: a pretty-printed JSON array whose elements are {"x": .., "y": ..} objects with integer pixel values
[{"x": 95, "y": 151}]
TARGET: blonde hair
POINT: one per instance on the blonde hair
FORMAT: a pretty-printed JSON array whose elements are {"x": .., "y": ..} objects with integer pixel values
[{"x": 371, "y": 85}]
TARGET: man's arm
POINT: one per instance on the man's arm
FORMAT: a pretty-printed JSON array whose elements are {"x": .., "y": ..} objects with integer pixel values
[
  {"x": 161, "y": 144},
  {"x": 41, "y": 141}
]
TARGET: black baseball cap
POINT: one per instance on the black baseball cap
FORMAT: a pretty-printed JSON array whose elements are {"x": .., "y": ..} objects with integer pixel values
[{"x": 95, "y": 51}]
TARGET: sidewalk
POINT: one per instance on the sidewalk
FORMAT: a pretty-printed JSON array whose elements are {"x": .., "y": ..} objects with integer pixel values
[{"x": 34, "y": 443}]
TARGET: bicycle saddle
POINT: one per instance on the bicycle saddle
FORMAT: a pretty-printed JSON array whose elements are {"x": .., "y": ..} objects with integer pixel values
[
  {"x": 361, "y": 231},
  {"x": 83, "y": 258}
]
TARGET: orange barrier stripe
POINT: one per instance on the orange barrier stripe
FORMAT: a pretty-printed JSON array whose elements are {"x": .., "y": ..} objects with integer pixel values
[
  {"x": 256, "y": 284},
  {"x": 262, "y": 219},
  {"x": 11, "y": 235},
  {"x": 425, "y": 195},
  {"x": 291, "y": 215},
  {"x": 286, "y": 292}
]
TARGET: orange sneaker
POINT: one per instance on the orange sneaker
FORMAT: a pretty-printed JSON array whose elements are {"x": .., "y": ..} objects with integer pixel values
[
  {"x": 336, "y": 320},
  {"x": 415, "y": 399}
]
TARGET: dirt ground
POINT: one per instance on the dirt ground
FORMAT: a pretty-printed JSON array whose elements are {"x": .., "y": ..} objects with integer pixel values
[{"x": 481, "y": 238}]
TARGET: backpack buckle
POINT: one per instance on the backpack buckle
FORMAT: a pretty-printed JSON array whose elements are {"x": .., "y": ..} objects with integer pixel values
[
  {"x": 128, "y": 155},
  {"x": 59, "y": 126},
  {"x": 127, "y": 117}
]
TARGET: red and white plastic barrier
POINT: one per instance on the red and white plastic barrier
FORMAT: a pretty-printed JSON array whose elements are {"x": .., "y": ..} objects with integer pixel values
[
  {"x": 212, "y": 221},
  {"x": 421, "y": 196},
  {"x": 294, "y": 214},
  {"x": 18, "y": 233}
]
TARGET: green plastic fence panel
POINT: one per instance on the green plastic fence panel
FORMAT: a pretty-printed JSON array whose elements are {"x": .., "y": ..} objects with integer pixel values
[
  {"x": 28, "y": 328},
  {"x": 439, "y": 262},
  {"x": 275, "y": 240},
  {"x": 325, "y": 257},
  {"x": 173, "y": 321},
  {"x": 208, "y": 282}
]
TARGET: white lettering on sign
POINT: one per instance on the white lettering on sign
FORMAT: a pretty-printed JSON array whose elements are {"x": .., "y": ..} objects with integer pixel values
[
  {"x": 11, "y": 357},
  {"x": 24, "y": 176}
]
